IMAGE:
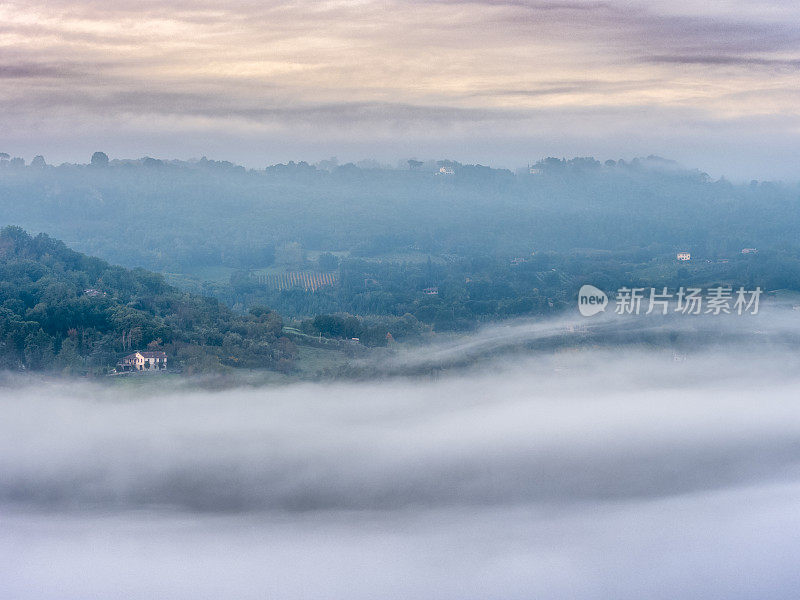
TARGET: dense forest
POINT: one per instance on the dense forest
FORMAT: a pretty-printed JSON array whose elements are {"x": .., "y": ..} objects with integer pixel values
[
  {"x": 427, "y": 245},
  {"x": 175, "y": 216},
  {"x": 463, "y": 292},
  {"x": 62, "y": 310}
]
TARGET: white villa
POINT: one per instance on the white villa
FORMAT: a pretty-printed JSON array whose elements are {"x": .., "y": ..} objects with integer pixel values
[{"x": 144, "y": 361}]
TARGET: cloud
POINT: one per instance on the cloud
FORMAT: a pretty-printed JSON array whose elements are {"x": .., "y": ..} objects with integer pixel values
[
  {"x": 20, "y": 71},
  {"x": 332, "y": 114},
  {"x": 725, "y": 60},
  {"x": 367, "y": 73}
]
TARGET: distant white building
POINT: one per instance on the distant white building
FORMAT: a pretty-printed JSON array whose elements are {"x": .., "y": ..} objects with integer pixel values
[
  {"x": 684, "y": 256},
  {"x": 431, "y": 291},
  {"x": 446, "y": 171},
  {"x": 144, "y": 361},
  {"x": 749, "y": 250}
]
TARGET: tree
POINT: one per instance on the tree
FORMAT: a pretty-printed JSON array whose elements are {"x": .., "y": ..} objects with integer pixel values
[
  {"x": 134, "y": 337},
  {"x": 14, "y": 237},
  {"x": 99, "y": 159},
  {"x": 38, "y": 350},
  {"x": 69, "y": 360},
  {"x": 414, "y": 164},
  {"x": 286, "y": 348},
  {"x": 4, "y": 156},
  {"x": 327, "y": 262},
  {"x": 38, "y": 162}
]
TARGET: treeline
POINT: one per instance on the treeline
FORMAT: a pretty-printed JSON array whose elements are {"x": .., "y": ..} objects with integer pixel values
[
  {"x": 63, "y": 310},
  {"x": 458, "y": 293},
  {"x": 177, "y": 216},
  {"x": 445, "y": 295},
  {"x": 501, "y": 244},
  {"x": 370, "y": 331}
]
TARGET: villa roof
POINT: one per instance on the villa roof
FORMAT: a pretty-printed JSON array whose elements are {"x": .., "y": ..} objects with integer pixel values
[{"x": 149, "y": 354}]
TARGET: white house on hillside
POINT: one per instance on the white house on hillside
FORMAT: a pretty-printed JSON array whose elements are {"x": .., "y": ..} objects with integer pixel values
[{"x": 145, "y": 361}]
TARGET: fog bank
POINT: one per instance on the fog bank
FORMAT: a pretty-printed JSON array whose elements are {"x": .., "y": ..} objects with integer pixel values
[{"x": 577, "y": 475}]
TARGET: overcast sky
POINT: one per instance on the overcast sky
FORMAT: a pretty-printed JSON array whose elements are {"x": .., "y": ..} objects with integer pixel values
[{"x": 712, "y": 84}]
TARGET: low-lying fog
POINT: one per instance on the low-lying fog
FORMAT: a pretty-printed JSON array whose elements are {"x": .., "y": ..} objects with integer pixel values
[{"x": 591, "y": 474}]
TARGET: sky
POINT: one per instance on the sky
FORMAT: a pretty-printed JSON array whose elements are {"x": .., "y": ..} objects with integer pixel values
[
  {"x": 713, "y": 84},
  {"x": 580, "y": 475}
]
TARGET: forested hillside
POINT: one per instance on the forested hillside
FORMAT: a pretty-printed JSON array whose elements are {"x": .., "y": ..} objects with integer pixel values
[
  {"x": 438, "y": 245},
  {"x": 63, "y": 310},
  {"x": 176, "y": 216}
]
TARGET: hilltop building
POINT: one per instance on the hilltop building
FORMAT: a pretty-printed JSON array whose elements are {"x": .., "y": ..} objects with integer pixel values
[{"x": 144, "y": 361}]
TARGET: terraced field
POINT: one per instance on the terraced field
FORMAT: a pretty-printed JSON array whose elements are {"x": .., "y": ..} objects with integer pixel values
[{"x": 308, "y": 281}]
